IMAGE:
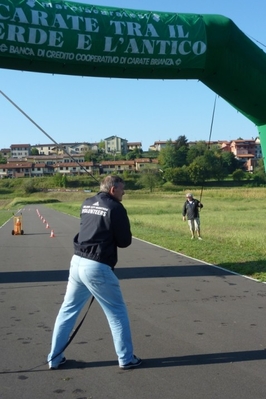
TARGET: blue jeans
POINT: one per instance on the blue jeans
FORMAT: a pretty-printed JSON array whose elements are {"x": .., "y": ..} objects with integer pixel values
[{"x": 87, "y": 278}]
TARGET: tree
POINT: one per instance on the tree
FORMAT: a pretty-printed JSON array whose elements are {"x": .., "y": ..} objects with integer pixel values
[
  {"x": 181, "y": 156},
  {"x": 260, "y": 166},
  {"x": 174, "y": 154},
  {"x": 2, "y": 159},
  {"x": 64, "y": 181},
  {"x": 149, "y": 179},
  {"x": 196, "y": 172},
  {"x": 181, "y": 150},
  {"x": 181, "y": 141},
  {"x": 230, "y": 163},
  {"x": 34, "y": 151},
  {"x": 259, "y": 177},
  {"x": 214, "y": 165},
  {"x": 195, "y": 151},
  {"x": 133, "y": 154},
  {"x": 238, "y": 175},
  {"x": 177, "y": 175},
  {"x": 29, "y": 187},
  {"x": 210, "y": 161},
  {"x": 101, "y": 146},
  {"x": 60, "y": 180},
  {"x": 167, "y": 156},
  {"x": 90, "y": 156}
]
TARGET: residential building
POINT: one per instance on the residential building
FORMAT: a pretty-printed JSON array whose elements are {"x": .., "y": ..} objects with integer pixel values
[
  {"x": 38, "y": 169},
  {"x": 22, "y": 164},
  {"x": 225, "y": 145},
  {"x": 20, "y": 150},
  {"x": 5, "y": 152},
  {"x": 41, "y": 169},
  {"x": 18, "y": 169},
  {"x": 258, "y": 151},
  {"x": 74, "y": 168},
  {"x": 115, "y": 145},
  {"x": 53, "y": 159},
  {"x": 145, "y": 163},
  {"x": 134, "y": 146},
  {"x": 71, "y": 148},
  {"x": 158, "y": 145},
  {"x": 48, "y": 159},
  {"x": 45, "y": 149},
  {"x": 116, "y": 166},
  {"x": 244, "y": 151},
  {"x": 74, "y": 148}
]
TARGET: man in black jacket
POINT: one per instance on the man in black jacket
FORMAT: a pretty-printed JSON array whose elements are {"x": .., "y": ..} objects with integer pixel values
[
  {"x": 104, "y": 226},
  {"x": 190, "y": 212}
]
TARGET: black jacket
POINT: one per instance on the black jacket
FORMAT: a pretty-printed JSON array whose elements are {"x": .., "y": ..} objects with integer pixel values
[
  {"x": 104, "y": 226},
  {"x": 191, "y": 209}
]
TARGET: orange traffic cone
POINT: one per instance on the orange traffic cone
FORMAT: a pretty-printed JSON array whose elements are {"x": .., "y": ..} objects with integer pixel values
[
  {"x": 52, "y": 234},
  {"x": 47, "y": 225},
  {"x": 44, "y": 221}
]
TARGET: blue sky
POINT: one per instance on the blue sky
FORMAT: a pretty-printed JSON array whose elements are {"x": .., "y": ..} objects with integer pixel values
[{"x": 76, "y": 109}]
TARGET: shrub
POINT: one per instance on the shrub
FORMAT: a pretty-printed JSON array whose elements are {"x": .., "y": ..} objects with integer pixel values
[
  {"x": 238, "y": 175},
  {"x": 29, "y": 187}
]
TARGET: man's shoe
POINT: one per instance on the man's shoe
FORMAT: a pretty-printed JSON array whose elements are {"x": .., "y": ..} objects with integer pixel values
[
  {"x": 199, "y": 238},
  {"x": 135, "y": 363},
  {"x": 63, "y": 360},
  {"x": 192, "y": 238}
]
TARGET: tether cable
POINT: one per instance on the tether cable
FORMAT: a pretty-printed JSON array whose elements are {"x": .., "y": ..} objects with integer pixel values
[
  {"x": 47, "y": 135},
  {"x": 92, "y": 299},
  {"x": 209, "y": 141},
  {"x": 59, "y": 353},
  {"x": 72, "y": 335},
  {"x": 255, "y": 40}
]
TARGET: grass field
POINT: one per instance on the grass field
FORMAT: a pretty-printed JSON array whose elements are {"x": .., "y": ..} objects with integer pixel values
[{"x": 233, "y": 224}]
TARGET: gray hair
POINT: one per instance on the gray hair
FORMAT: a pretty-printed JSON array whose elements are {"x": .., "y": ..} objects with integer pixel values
[{"x": 110, "y": 181}]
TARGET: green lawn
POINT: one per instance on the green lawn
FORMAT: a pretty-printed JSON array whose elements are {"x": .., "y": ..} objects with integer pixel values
[{"x": 233, "y": 225}]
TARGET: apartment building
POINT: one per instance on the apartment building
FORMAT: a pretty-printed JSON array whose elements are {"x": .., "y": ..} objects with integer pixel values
[
  {"x": 20, "y": 150},
  {"x": 245, "y": 151},
  {"x": 114, "y": 145}
]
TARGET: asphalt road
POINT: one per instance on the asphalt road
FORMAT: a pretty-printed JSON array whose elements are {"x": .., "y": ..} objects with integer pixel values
[{"x": 199, "y": 329}]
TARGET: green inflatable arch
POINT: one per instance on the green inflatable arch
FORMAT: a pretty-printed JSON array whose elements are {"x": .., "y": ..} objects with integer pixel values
[{"x": 62, "y": 37}]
